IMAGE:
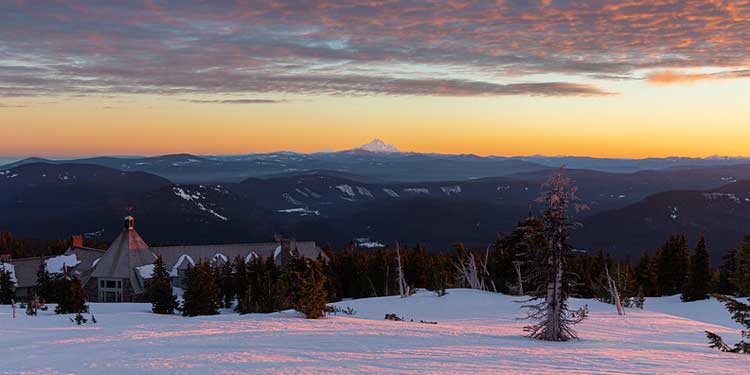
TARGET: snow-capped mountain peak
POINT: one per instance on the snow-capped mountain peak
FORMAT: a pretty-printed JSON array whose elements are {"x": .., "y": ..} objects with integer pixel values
[{"x": 377, "y": 145}]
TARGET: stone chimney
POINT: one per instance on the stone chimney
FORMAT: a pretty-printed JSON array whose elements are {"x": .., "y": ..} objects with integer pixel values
[{"x": 76, "y": 241}]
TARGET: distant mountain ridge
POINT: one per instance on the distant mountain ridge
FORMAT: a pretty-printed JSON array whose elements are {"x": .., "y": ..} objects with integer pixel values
[
  {"x": 631, "y": 212},
  {"x": 377, "y": 161}
]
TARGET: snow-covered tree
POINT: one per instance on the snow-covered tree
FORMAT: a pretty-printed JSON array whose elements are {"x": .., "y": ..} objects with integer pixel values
[
  {"x": 548, "y": 307},
  {"x": 740, "y": 314}
]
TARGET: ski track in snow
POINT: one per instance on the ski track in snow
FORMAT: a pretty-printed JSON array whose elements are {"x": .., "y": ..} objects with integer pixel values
[{"x": 477, "y": 333}]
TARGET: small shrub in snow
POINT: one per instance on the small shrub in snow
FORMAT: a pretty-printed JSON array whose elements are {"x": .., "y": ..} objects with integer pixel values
[
  {"x": 393, "y": 317},
  {"x": 79, "y": 319},
  {"x": 346, "y": 311}
]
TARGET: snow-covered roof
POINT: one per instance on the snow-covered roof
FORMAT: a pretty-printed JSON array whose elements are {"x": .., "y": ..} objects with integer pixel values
[
  {"x": 251, "y": 256},
  {"x": 56, "y": 264},
  {"x": 183, "y": 258},
  {"x": 219, "y": 257},
  {"x": 146, "y": 271}
]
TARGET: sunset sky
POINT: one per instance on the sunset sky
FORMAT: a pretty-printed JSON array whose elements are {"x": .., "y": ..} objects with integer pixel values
[{"x": 598, "y": 78}]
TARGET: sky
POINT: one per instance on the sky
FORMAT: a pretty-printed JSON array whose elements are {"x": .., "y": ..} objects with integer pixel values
[{"x": 601, "y": 78}]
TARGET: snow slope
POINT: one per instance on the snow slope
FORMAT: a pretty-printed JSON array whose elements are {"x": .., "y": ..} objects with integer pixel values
[{"x": 477, "y": 333}]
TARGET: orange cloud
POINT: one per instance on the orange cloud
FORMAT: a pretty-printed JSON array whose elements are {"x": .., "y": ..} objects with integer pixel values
[{"x": 668, "y": 77}]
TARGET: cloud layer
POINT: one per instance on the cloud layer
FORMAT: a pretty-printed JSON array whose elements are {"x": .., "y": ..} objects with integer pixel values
[{"x": 363, "y": 47}]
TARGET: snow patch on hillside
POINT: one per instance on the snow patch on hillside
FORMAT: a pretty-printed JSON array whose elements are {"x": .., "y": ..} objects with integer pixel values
[
  {"x": 302, "y": 211},
  {"x": 289, "y": 198},
  {"x": 391, "y": 193},
  {"x": 363, "y": 191},
  {"x": 346, "y": 189},
  {"x": 455, "y": 189},
  {"x": 717, "y": 196},
  {"x": 674, "y": 213},
  {"x": 423, "y": 191},
  {"x": 196, "y": 197}
]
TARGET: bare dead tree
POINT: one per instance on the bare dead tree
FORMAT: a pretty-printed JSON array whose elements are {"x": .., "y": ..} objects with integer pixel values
[
  {"x": 486, "y": 271},
  {"x": 468, "y": 273},
  {"x": 547, "y": 306},
  {"x": 614, "y": 294},
  {"x": 402, "y": 286},
  {"x": 519, "y": 276}
]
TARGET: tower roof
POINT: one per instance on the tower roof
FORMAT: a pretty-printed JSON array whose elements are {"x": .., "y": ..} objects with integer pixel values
[{"x": 126, "y": 252}]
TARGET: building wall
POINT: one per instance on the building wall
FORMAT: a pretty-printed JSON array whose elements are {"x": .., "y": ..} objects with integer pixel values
[{"x": 128, "y": 295}]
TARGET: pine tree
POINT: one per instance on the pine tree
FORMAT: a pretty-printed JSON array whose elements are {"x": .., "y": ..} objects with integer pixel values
[
  {"x": 553, "y": 319},
  {"x": 226, "y": 283},
  {"x": 312, "y": 296},
  {"x": 673, "y": 265},
  {"x": 726, "y": 273},
  {"x": 46, "y": 283},
  {"x": 294, "y": 273},
  {"x": 699, "y": 277},
  {"x": 646, "y": 276},
  {"x": 241, "y": 280},
  {"x": 7, "y": 286},
  {"x": 159, "y": 290},
  {"x": 252, "y": 274},
  {"x": 201, "y": 296},
  {"x": 740, "y": 314},
  {"x": 71, "y": 298},
  {"x": 741, "y": 275}
]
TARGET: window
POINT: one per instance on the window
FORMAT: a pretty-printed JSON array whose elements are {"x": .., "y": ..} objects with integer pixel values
[{"x": 110, "y": 290}]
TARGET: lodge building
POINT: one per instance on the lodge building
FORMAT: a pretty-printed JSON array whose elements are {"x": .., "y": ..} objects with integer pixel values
[{"x": 119, "y": 273}]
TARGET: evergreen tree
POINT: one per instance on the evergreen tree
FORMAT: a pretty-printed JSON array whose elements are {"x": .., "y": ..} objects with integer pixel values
[
  {"x": 241, "y": 280},
  {"x": 46, "y": 283},
  {"x": 249, "y": 298},
  {"x": 7, "y": 286},
  {"x": 741, "y": 276},
  {"x": 699, "y": 277},
  {"x": 312, "y": 296},
  {"x": 201, "y": 296},
  {"x": 227, "y": 284},
  {"x": 553, "y": 319},
  {"x": 726, "y": 273},
  {"x": 740, "y": 314},
  {"x": 646, "y": 275},
  {"x": 71, "y": 298},
  {"x": 513, "y": 256},
  {"x": 673, "y": 265},
  {"x": 159, "y": 290}
]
